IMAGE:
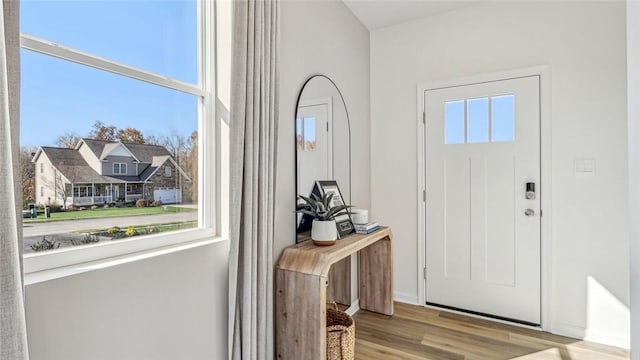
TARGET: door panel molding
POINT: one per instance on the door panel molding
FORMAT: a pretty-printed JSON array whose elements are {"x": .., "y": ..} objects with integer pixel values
[{"x": 544, "y": 73}]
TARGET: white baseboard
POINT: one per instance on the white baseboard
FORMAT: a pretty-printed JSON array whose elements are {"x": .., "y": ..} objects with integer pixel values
[
  {"x": 406, "y": 298},
  {"x": 581, "y": 333},
  {"x": 355, "y": 306},
  {"x": 608, "y": 339}
]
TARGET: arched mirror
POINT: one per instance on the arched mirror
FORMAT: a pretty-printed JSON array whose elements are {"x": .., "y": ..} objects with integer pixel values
[
  {"x": 323, "y": 140},
  {"x": 323, "y": 152}
]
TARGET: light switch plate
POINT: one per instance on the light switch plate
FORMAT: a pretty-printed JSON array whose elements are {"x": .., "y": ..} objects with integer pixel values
[{"x": 585, "y": 166}]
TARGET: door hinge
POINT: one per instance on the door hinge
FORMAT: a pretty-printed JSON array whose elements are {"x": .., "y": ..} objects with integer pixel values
[
  {"x": 327, "y": 126},
  {"x": 424, "y": 195},
  {"x": 424, "y": 117},
  {"x": 424, "y": 273}
]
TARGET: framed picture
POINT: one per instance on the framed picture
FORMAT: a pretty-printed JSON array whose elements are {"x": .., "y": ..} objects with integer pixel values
[{"x": 343, "y": 222}]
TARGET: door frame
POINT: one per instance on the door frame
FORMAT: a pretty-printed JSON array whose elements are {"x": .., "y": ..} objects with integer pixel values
[{"x": 544, "y": 72}]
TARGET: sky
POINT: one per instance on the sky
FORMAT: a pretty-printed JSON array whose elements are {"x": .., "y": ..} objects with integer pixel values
[{"x": 59, "y": 97}]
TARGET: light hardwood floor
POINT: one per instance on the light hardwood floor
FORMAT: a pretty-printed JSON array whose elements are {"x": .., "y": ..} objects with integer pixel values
[{"x": 416, "y": 332}]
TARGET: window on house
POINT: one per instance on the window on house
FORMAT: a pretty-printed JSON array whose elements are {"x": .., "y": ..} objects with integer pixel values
[
  {"x": 119, "y": 168},
  {"x": 147, "y": 82},
  {"x": 41, "y": 168},
  {"x": 167, "y": 171}
]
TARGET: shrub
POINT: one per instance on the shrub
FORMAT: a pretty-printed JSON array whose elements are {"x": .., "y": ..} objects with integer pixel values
[
  {"x": 156, "y": 203},
  {"x": 113, "y": 230},
  {"x": 87, "y": 239},
  {"x": 141, "y": 203},
  {"x": 106, "y": 206},
  {"x": 45, "y": 245},
  {"x": 131, "y": 231},
  {"x": 82, "y": 208}
]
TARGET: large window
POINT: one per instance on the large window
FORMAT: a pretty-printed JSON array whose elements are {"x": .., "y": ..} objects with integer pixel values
[{"x": 106, "y": 84}]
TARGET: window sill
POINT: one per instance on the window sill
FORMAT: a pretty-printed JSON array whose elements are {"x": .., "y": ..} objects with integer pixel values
[{"x": 37, "y": 271}]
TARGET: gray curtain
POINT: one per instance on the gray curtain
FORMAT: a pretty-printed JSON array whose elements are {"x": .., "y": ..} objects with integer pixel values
[
  {"x": 13, "y": 339},
  {"x": 253, "y": 129}
]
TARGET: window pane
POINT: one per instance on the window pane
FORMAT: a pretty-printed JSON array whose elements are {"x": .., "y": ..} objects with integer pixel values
[
  {"x": 60, "y": 103},
  {"x": 503, "y": 118},
  {"x": 309, "y": 133},
  {"x": 478, "y": 118},
  {"x": 156, "y": 35},
  {"x": 454, "y": 122}
]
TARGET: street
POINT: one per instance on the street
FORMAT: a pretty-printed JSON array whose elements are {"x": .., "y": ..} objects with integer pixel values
[{"x": 34, "y": 232}]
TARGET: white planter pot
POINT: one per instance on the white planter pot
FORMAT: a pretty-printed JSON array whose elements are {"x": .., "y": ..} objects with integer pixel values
[{"x": 324, "y": 233}]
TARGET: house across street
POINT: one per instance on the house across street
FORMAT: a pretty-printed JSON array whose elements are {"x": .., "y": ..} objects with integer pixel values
[{"x": 100, "y": 172}]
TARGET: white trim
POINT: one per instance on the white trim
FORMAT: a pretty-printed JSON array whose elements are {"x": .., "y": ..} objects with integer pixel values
[
  {"x": 118, "y": 144},
  {"x": 60, "y": 272},
  {"x": 544, "y": 72},
  {"x": 67, "y": 53},
  {"x": 208, "y": 140},
  {"x": 406, "y": 298},
  {"x": 113, "y": 168},
  {"x": 353, "y": 308}
]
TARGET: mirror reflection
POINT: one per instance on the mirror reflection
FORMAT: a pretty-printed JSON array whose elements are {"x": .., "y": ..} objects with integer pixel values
[{"x": 323, "y": 140}]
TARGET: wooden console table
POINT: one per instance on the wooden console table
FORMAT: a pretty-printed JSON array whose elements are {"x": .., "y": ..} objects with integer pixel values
[{"x": 301, "y": 277}]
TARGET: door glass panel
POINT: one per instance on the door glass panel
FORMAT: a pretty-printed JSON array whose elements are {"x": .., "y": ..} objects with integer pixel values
[
  {"x": 503, "y": 118},
  {"x": 454, "y": 122},
  {"x": 478, "y": 115},
  {"x": 309, "y": 134},
  {"x": 299, "y": 134}
]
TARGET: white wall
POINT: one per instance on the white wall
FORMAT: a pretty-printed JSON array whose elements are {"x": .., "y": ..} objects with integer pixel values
[
  {"x": 633, "y": 94},
  {"x": 170, "y": 307},
  {"x": 320, "y": 37},
  {"x": 584, "y": 45}
]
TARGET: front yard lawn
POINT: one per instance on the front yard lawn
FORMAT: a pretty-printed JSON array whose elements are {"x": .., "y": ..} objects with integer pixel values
[{"x": 106, "y": 213}]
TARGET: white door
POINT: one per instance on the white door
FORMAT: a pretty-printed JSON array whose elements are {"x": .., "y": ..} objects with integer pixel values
[
  {"x": 482, "y": 228},
  {"x": 314, "y": 150}
]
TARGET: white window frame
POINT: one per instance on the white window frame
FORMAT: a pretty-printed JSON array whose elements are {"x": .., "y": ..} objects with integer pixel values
[
  {"x": 167, "y": 171},
  {"x": 66, "y": 261},
  {"x": 119, "y": 166}
]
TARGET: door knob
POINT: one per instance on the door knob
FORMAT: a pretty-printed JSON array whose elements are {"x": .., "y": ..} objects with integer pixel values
[{"x": 529, "y": 212}]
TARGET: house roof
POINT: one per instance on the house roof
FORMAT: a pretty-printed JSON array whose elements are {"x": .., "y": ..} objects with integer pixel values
[
  {"x": 146, "y": 153},
  {"x": 75, "y": 168},
  {"x": 142, "y": 152}
]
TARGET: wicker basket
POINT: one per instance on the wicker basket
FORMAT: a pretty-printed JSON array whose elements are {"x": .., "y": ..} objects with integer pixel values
[{"x": 341, "y": 334}]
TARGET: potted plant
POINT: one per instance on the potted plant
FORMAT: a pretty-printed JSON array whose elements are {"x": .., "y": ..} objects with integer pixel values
[{"x": 323, "y": 230}]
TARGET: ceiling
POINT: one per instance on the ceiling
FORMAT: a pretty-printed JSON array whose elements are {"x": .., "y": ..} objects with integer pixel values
[{"x": 376, "y": 14}]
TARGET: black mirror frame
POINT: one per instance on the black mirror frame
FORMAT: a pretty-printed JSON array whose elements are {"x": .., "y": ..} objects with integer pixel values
[{"x": 295, "y": 146}]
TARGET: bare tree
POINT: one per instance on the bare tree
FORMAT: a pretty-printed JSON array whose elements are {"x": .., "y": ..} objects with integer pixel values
[
  {"x": 61, "y": 188},
  {"x": 68, "y": 140},
  {"x": 28, "y": 175},
  {"x": 192, "y": 168}
]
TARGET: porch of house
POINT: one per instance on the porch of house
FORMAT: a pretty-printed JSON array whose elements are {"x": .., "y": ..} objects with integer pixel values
[{"x": 97, "y": 194}]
